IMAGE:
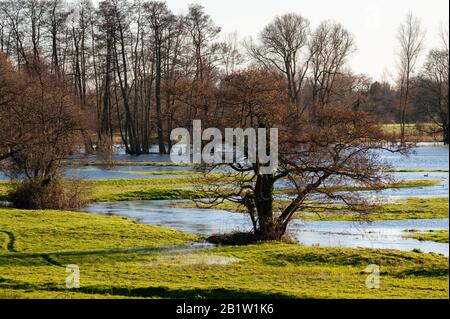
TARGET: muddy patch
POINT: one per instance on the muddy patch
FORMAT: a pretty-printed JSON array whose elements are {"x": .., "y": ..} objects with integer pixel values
[{"x": 191, "y": 259}]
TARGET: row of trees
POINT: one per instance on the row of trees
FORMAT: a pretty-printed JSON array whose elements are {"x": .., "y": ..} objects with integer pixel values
[
  {"x": 138, "y": 66},
  {"x": 139, "y": 70},
  {"x": 142, "y": 70},
  {"x": 428, "y": 90}
]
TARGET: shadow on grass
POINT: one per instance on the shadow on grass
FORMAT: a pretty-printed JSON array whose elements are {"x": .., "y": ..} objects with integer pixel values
[
  {"x": 149, "y": 292},
  {"x": 36, "y": 258}
]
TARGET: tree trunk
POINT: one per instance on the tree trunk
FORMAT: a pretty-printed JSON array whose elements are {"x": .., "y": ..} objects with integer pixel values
[{"x": 268, "y": 228}]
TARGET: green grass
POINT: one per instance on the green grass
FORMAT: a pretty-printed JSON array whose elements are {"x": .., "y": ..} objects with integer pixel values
[
  {"x": 395, "y": 128},
  {"x": 51, "y": 230},
  {"x": 47, "y": 241},
  {"x": 180, "y": 187},
  {"x": 440, "y": 236},
  {"x": 410, "y": 128},
  {"x": 410, "y": 208},
  {"x": 125, "y": 189},
  {"x": 415, "y": 133},
  {"x": 183, "y": 188},
  {"x": 144, "y": 189}
]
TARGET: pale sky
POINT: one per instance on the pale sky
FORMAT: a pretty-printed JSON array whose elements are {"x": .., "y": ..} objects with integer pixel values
[{"x": 373, "y": 23}]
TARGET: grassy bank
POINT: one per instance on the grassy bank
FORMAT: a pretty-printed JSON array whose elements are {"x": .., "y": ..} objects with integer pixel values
[
  {"x": 184, "y": 188},
  {"x": 410, "y": 208},
  {"x": 180, "y": 187},
  {"x": 50, "y": 230},
  {"x": 101, "y": 246},
  {"x": 440, "y": 236}
]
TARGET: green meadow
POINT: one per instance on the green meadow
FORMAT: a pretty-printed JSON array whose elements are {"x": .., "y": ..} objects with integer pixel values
[{"x": 119, "y": 258}]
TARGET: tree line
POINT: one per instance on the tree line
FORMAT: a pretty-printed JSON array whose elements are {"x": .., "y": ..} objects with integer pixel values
[{"x": 142, "y": 70}]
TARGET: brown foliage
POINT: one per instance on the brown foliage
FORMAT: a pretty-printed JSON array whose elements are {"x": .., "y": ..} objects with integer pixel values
[
  {"x": 56, "y": 195},
  {"x": 320, "y": 150},
  {"x": 42, "y": 125}
]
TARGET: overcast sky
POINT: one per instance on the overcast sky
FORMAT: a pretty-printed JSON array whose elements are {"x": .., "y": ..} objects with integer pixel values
[{"x": 374, "y": 23}]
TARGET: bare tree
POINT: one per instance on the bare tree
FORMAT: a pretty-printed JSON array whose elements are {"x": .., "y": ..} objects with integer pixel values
[
  {"x": 56, "y": 19},
  {"x": 231, "y": 56},
  {"x": 282, "y": 43},
  {"x": 13, "y": 11},
  {"x": 330, "y": 46},
  {"x": 42, "y": 126},
  {"x": 432, "y": 91},
  {"x": 161, "y": 20},
  {"x": 318, "y": 153},
  {"x": 410, "y": 36}
]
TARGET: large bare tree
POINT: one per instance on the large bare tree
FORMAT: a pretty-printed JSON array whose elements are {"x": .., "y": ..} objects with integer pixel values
[{"x": 318, "y": 153}]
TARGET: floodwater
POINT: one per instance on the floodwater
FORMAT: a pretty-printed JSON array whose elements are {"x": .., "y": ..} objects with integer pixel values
[
  {"x": 423, "y": 157},
  {"x": 379, "y": 234}
]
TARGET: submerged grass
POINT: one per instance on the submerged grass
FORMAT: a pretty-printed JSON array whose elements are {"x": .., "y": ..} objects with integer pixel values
[
  {"x": 410, "y": 208},
  {"x": 440, "y": 236},
  {"x": 47, "y": 241}
]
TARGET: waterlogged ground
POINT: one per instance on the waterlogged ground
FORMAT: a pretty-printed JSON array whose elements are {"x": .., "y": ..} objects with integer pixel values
[
  {"x": 427, "y": 156},
  {"x": 426, "y": 162},
  {"x": 378, "y": 234},
  {"x": 122, "y": 258}
]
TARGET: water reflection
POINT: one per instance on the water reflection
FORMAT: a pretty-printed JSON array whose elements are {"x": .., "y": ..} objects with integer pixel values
[{"x": 380, "y": 234}]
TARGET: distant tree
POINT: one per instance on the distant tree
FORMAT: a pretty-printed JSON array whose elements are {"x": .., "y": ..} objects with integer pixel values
[
  {"x": 410, "y": 36},
  {"x": 432, "y": 90},
  {"x": 281, "y": 49},
  {"x": 202, "y": 32},
  {"x": 380, "y": 100},
  {"x": 329, "y": 48},
  {"x": 160, "y": 20}
]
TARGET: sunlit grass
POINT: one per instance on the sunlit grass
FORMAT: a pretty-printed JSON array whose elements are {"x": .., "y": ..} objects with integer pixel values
[
  {"x": 51, "y": 230},
  {"x": 47, "y": 241}
]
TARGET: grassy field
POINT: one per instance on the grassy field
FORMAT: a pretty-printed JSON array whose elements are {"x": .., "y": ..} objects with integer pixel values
[
  {"x": 410, "y": 208},
  {"x": 179, "y": 187},
  {"x": 119, "y": 258},
  {"x": 49, "y": 230},
  {"x": 440, "y": 236},
  {"x": 414, "y": 133}
]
